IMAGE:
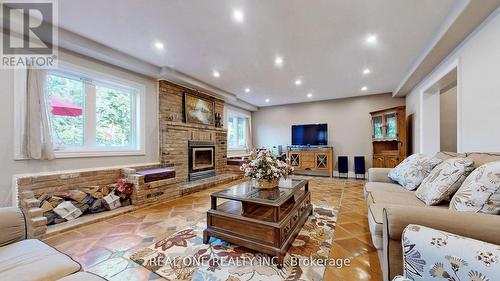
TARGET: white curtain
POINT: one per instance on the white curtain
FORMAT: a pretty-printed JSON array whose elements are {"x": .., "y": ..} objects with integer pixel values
[
  {"x": 38, "y": 139},
  {"x": 248, "y": 134}
]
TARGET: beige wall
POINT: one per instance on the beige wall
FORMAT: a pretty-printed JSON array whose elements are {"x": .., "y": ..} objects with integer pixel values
[
  {"x": 478, "y": 93},
  {"x": 448, "y": 120},
  {"x": 9, "y": 167},
  {"x": 349, "y": 123}
]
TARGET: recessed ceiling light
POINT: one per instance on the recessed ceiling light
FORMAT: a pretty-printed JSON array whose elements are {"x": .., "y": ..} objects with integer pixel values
[
  {"x": 159, "y": 45},
  {"x": 298, "y": 82},
  {"x": 366, "y": 71},
  {"x": 309, "y": 95},
  {"x": 267, "y": 100},
  {"x": 216, "y": 73},
  {"x": 371, "y": 38},
  {"x": 364, "y": 88},
  {"x": 247, "y": 90},
  {"x": 278, "y": 61},
  {"x": 238, "y": 15}
]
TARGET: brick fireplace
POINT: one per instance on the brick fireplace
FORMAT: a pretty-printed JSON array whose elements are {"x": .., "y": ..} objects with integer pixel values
[{"x": 179, "y": 139}]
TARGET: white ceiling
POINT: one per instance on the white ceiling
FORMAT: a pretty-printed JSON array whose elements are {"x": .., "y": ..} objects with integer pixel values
[{"x": 321, "y": 41}]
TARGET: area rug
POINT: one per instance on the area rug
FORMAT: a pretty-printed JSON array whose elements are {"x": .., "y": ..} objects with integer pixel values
[{"x": 183, "y": 256}]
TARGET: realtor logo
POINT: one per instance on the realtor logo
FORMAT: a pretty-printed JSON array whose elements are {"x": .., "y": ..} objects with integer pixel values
[{"x": 29, "y": 34}]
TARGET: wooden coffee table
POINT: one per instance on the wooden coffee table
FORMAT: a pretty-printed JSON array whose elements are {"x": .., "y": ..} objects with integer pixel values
[{"x": 265, "y": 220}]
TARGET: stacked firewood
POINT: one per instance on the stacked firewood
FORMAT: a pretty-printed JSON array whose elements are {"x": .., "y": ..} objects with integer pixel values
[{"x": 67, "y": 205}]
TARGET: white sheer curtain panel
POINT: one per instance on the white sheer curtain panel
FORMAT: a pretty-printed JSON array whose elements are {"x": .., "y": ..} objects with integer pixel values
[
  {"x": 38, "y": 139},
  {"x": 248, "y": 134}
]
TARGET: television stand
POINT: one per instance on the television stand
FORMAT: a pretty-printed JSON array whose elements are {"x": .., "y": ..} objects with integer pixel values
[{"x": 311, "y": 160}]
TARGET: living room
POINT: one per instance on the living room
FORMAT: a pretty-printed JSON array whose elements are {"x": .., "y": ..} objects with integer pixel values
[{"x": 329, "y": 140}]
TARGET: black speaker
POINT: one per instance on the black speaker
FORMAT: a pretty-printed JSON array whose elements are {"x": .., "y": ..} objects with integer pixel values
[
  {"x": 343, "y": 167},
  {"x": 359, "y": 167}
]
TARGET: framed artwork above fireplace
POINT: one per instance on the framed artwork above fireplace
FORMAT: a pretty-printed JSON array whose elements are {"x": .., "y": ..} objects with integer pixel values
[{"x": 198, "y": 109}]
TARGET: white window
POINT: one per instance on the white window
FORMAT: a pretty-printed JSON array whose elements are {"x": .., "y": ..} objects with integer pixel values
[
  {"x": 237, "y": 131},
  {"x": 93, "y": 116}
]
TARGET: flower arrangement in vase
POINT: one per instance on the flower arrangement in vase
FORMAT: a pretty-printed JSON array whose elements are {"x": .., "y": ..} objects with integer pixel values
[{"x": 265, "y": 169}]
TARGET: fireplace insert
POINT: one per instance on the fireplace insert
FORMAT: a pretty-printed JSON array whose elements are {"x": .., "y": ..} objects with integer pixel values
[{"x": 201, "y": 160}]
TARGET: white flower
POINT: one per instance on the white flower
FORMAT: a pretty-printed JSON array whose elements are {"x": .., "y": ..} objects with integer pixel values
[{"x": 263, "y": 165}]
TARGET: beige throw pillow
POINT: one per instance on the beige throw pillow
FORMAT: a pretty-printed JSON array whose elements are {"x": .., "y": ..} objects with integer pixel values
[
  {"x": 444, "y": 180},
  {"x": 413, "y": 170},
  {"x": 480, "y": 192}
]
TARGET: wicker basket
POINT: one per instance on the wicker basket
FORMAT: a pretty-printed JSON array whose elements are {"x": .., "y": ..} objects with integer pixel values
[{"x": 266, "y": 183}]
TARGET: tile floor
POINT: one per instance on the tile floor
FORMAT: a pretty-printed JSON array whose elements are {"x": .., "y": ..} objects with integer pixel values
[{"x": 101, "y": 247}]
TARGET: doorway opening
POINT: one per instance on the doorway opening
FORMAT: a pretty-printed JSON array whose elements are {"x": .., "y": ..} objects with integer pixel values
[
  {"x": 448, "y": 118},
  {"x": 439, "y": 131}
]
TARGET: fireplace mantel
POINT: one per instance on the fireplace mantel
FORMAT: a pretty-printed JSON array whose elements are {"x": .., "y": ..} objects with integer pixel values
[{"x": 192, "y": 126}]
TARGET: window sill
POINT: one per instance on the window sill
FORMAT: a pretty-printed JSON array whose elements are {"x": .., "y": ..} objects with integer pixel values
[
  {"x": 82, "y": 154},
  {"x": 237, "y": 152}
]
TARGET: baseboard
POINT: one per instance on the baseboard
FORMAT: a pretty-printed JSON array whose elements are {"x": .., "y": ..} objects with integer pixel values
[{"x": 350, "y": 175}]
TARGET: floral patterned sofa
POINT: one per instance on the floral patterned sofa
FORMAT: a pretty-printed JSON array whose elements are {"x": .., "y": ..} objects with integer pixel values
[{"x": 430, "y": 254}]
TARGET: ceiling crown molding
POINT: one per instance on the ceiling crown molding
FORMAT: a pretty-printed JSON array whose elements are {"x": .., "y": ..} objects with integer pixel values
[
  {"x": 183, "y": 79},
  {"x": 84, "y": 46},
  {"x": 461, "y": 22}
]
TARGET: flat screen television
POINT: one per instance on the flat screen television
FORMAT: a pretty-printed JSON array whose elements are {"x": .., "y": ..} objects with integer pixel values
[{"x": 312, "y": 134}]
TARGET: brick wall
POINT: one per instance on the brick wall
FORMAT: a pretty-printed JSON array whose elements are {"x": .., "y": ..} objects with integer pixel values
[
  {"x": 170, "y": 100},
  {"x": 173, "y": 149},
  {"x": 30, "y": 187},
  {"x": 38, "y": 184},
  {"x": 175, "y": 134},
  {"x": 220, "y": 152}
]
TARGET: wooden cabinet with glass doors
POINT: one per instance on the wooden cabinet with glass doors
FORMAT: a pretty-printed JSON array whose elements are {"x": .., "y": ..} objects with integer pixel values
[{"x": 389, "y": 137}]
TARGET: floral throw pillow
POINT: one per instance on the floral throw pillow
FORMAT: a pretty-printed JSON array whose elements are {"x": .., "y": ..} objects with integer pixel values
[
  {"x": 444, "y": 180},
  {"x": 430, "y": 254},
  {"x": 413, "y": 170},
  {"x": 480, "y": 192}
]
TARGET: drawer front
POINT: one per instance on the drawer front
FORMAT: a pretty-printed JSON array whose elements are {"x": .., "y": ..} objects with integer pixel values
[
  {"x": 285, "y": 230},
  {"x": 308, "y": 164},
  {"x": 303, "y": 206},
  {"x": 293, "y": 220},
  {"x": 309, "y": 157},
  {"x": 256, "y": 232}
]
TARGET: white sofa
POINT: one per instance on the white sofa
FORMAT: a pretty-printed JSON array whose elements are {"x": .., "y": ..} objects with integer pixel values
[{"x": 24, "y": 259}]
